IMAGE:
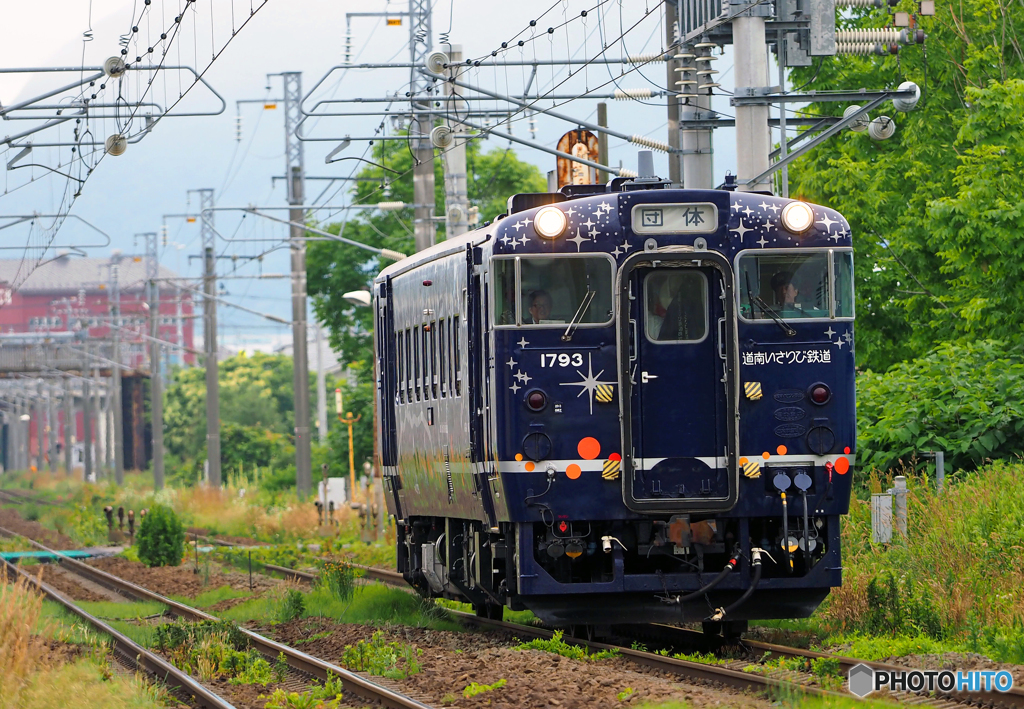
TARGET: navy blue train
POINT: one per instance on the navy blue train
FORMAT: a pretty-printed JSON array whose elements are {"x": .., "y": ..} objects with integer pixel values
[{"x": 623, "y": 404}]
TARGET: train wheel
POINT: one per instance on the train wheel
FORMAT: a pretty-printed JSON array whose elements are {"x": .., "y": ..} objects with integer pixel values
[{"x": 491, "y": 611}]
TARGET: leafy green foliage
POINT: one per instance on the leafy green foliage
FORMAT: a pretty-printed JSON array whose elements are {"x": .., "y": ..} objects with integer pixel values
[
  {"x": 211, "y": 649},
  {"x": 964, "y": 399},
  {"x": 475, "y": 688},
  {"x": 328, "y": 696},
  {"x": 379, "y": 657},
  {"x": 936, "y": 209},
  {"x": 338, "y": 578},
  {"x": 293, "y": 606},
  {"x": 558, "y": 646},
  {"x": 161, "y": 538}
]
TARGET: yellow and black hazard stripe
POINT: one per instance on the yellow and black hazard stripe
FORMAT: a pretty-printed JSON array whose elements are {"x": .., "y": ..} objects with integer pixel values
[
  {"x": 604, "y": 393},
  {"x": 752, "y": 390},
  {"x": 752, "y": 469},
  {"x": 610, "y": 470}
]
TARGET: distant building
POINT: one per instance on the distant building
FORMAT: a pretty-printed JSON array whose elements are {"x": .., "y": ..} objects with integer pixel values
[{"x": 73, "y": 294}]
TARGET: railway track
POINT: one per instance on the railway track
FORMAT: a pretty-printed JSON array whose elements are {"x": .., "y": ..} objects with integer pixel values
[
  {"x": 298, "y": 660},
  {"x": 129, "y": 653}
]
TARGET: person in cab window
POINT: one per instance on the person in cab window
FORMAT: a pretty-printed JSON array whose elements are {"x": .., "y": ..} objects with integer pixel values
[
  {"x": 539, "y": 306},
  {"x": 786, "y": 294}
]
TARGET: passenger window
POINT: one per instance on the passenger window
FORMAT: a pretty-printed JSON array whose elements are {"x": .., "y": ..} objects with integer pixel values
[
  {"x": 794, "y": 285},
  {"x": 538, "y": 291},
  {"x": 416, "y": 356},
  {"x": 400, "y": 365},
  {"x": 408, "y": 365},
  {"x": 426, "y": 363},
  {"x": 433, "y": 359},
  {"x": 457, "y": 334},
  {"x": 442, "y": 358},
  {"x": 675, "y": 306},
  {"x": 844, "y": 283}
]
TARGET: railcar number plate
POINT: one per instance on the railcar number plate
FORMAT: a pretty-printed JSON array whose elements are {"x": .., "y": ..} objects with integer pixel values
[{"x": 561, "y": 359}]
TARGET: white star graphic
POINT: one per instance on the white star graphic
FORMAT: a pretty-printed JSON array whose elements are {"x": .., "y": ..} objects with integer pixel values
[
  {"x": 514, "y": 243},
  {"x": 511, "y": 363},
  {"x": 605, "y": 207},
  {"x": 747, "y": 210},
  {"x": 736, "y": 207},
  {"x": 587, "y": 223},
  {"x": 840, "y": 343},
  {"x": 827, "y": 222},
  {"x": 523, "y": 342},
  {"x": 523, "y": 377},
  {"x": 505, "y": 239},
  {"x": 589, "y": 383},
  {"x": 621, "y": 249},
  {"x": 848, "y": 337},
  {"x": 763, "y": 205},
  {"x": 837, "y": 237},
  {"x": 774, "y": 208},
  {"x": 741, "y": 230},
  {"x": 762, "y": 241},
  {"x": 579, "y": 239},
  {"x": 570, "y": 211},
  {"x": 527, "y": 221},
  {"x": 518, "y": 225},
  {"x": 523, "y": 239},
  {"x": 515, "y": 387},
  {"x": 829, "y": 332},
  {"x": 593, "y": 233}
]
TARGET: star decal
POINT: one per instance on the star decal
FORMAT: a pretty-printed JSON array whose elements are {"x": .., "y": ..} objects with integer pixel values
[
  {"x": 848, "y": 337},
  {"x": 587, "y": 223},
  {"x": 736, "y": 207},
  {"x": 589, "y": 383},
  {"x": 827, "y": 222},
  {"x": 774, "y": 208},
  {"x": 514, "y": 243},
  {"x": 505, "y": 239},
  {"x": 570, "y": 211},
  {"x": 623, "y": 249},
  {"x": 840, "y": 343},
  {"x": 523, "y": 377},
  {"x": 593, "y": 233},
  {"x": 762, "y": 241},
  {"x": 518, "y": 225},
  {"x": 523, "y": 342},
  {"x": 515, "y": 387},
  {"x": 829, "y": 332},
  {"x": 511, "y": 363},
  {"x": 579, "y": 240},
  {"x": 763, "y": 205},
  {"x": 527, "y": 221},
  {"x": 741, "y": 230},
  {"x": 747, "y": 210},
  {"x": 604, "y": 207},
  {"x": 837, "y": 236},
  {"x": 523, "y": 239}
]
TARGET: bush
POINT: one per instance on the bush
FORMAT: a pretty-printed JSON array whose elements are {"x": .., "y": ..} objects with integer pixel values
[
  {"x": 161, "y": 538},
  {"x": 964, "y": 399}
]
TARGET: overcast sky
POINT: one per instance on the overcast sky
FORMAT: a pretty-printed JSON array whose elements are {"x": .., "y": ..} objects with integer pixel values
[{"x": 129, "y": 194}]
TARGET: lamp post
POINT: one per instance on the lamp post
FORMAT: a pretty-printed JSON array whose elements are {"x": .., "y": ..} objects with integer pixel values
[{"x": 349, "y": 420}]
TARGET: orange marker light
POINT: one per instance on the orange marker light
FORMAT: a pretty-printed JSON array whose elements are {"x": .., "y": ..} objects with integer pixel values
[
  {"x": 766, "y": 455},
  {"x": 614, "y": 456},
  {"x": 743, "y": 461},
  {"x": 846, "y": 450},
  {"x": 781, "y": 450},
  {"x": 519, "y": 456},
  {"x": 589, "y": 448},
  {"x": 530, "y": 466},
  {"x": 573, "y": 471},
  {"x": 842, "y": 465}
]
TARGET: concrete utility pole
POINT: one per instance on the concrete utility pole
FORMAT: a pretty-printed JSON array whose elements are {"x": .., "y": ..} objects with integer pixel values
[
  {"x": 51, "y": 426},
  {"x": 321, "y": 388},
  {"x": 456, "y": 189},
  {"x": 675, "y": 167},
  {"x": 103, "y": 409},
  {"x": 115, "y": 379},
  {"x": 602, "y": 142},
  {"x": 69, "y": 423},
  {"x": 295, "y": 171},
  {"x": 753, "y": 139},
  {"x": 86, "y": 426},
  {"x": 210, "y": 338},
  {"x": 420, "y": 87},
  {"x": 697, "y": 157},
  {"x": 155, "y": 383},
  {"x": 40, "y": 417}
]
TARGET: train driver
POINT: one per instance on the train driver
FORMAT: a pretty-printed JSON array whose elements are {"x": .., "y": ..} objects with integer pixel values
[
  {"x": 540, "y": 306},
  {"x": 786, "y": 292}
]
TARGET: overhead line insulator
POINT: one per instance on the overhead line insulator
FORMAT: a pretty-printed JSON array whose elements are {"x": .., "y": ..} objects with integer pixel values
[{"x": 649, "y": 143}]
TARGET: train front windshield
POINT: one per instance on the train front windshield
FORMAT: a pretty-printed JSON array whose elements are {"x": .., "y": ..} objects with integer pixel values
[
  {"x": 553, "y": 290},
  {"x": 796, "y": 285}
]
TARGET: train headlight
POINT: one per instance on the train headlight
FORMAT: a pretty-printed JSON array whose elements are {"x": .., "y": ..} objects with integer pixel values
[
  {"x": 797, "y": 217},
  {"x": 550, "y": 222}
]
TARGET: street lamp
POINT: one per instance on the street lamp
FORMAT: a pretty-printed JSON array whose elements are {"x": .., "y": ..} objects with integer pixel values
[{"x": 358, "y": 297}]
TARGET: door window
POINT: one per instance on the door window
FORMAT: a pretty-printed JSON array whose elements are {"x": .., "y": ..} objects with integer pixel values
[{"x": 675, "y": 306}]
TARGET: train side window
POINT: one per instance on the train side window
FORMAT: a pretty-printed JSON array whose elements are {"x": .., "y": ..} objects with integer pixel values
[
  {"x": 453, "y": 343},
  {"x": 504, "y": 286},
  {"x": 843, "y": 283},
  {"x": 416, "y": 359},
  {"x": 400, "y": 366},
  {"x": 458, "y": 359},
  {"x": 795, "y": 284},
  {"x": 433, "y": 359},
  {"x": 426, "y": 362},
  {"x": 408, "y": 365},
  {"x": 442, "y": 358}
]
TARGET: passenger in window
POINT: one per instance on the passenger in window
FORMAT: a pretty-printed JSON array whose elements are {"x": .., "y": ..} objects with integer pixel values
[
  {"x": 786, "y": 293},
  {"x": 539, "y": 305}
]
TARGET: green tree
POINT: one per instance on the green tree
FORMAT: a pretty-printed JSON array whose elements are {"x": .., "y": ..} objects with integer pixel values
[
  {"x": 933, "y": 210},
  {"x": 161, "y": 538}
]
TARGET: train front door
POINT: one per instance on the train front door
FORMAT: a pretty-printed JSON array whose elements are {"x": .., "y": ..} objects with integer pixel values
[{"x": 677, "y": 325}]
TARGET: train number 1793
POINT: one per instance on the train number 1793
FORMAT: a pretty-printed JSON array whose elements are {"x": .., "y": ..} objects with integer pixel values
[{"x": 561, "y": 360}]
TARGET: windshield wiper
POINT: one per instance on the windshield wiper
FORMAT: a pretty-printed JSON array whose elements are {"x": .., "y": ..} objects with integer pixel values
[
  {"x": 587, "y": 300},
  {"x": 767, "y": 309}
]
